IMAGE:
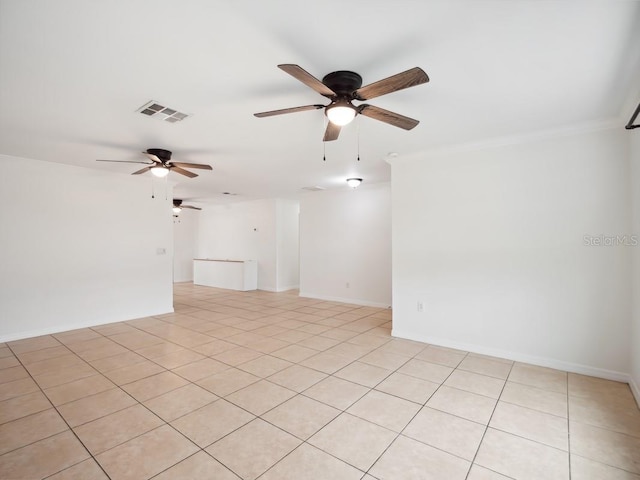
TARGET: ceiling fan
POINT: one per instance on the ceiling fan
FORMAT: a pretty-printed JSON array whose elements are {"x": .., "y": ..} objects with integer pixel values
[
  {"x": 342, "y": 87},
  {"x": 160, "y": 164},
  {"x": 178, "y": 206}
]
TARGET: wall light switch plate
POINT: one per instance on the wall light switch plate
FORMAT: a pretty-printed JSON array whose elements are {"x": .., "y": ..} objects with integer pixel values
[{"x": 161, "y": 251}]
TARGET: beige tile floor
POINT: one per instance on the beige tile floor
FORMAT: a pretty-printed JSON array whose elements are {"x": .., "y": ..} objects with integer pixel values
[{"x": 273, "y": 386}]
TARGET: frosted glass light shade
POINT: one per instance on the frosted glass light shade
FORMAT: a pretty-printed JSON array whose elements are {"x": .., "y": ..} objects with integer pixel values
[
  {"x": 354, "y": 182},
  {"x": 177, "y": 210},
  {"x": 340, "y": 114},
  {"x": 160, "y": 172}
]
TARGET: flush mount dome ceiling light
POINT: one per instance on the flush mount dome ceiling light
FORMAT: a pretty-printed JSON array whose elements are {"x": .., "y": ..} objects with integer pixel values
[{"x": 354, "y": 182}]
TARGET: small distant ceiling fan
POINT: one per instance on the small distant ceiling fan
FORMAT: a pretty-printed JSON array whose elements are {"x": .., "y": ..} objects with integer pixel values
[
  {"x": 160, "y": 164},
  {"x": 342, "y": 87},
  {"x": 178, "y": 206}
]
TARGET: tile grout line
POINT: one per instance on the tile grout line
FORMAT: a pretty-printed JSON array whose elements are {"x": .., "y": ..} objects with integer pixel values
[
  {"x": 489, "y": 421},
  {"x": 256, "y": 417},
  {"x": 301, "y": 393},
  {"x": 221, "y": 301},
  {"x": 344, "y": 411},
  {"x": 305, "y": 441},
  {"x": 66, "y": 423},
  {"x": 413, "y": 417},
  {"x": 164, "y": 423},
  {"x": 103, "y": 416}
]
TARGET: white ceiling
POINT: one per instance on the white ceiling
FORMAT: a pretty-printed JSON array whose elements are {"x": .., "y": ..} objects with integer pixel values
[{"x": 73, "y": 73}]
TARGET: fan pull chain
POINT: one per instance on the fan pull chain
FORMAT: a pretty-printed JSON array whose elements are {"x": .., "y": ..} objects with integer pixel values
[
  {"x": 358, "y": 135},
  {"x": 325, "y": 122},
  {"x": 152, "y": 189}
]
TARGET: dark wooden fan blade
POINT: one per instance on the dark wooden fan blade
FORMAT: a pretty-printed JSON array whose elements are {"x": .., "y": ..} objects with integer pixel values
[
  {"x": 410, "y": 78},
  {"x": 142, "y": 170},
  {"x": 386, "y": 116},
  {"x": 309, "y": 80},
  {"x": 186, "y": 173},
  {"x": 125, "y": 161},
  {"x": 192, "y": 208},
  {"x": 332, "y": 132},
  {"x": 192, "y": 165},
  {"x": 152, "y": 157},
  {"x": 288, "y": 110}
]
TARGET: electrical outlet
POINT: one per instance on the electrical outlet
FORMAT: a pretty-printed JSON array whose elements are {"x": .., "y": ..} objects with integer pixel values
[
  {"x": 420, "y": 307},
  {"x": 161, "y": 251}
]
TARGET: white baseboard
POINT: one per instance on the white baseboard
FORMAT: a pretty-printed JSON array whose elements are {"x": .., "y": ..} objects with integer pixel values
[
  {"x": 288, "y": 287},
  {"x": 634, "y": 389},
  {"x": 281, "y": 289},
  {"x": 67, "y": 327},
  {"x": 354, "y": 301},
  {"x": 524, "y": 358}
]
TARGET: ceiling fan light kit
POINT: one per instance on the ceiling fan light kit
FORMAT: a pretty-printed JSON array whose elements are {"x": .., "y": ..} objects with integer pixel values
[
  {"x": 354, "y": 182},
  {"x": 344, "y": 86},
  {"x": 341, "y": 114},
  {"x": 160, "y": 163},
  {"x": 159, "y": 172},
  {"x": 178, "y": 206},
  {"x": 341, "y": 87}
]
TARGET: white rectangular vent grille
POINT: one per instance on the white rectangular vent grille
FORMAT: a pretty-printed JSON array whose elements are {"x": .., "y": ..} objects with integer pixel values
[
  {"x": 154, "y": 109},
  {"x": 313, "y": 189}
]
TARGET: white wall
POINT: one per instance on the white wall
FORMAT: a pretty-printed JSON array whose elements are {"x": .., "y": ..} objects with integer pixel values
[
  {"x": 79, "y": 248},
  {"x": 242, "y": 231},
  {"x": 262, "y": 230},
  {"x": 634, "y": 140},
  {"x": 287, "y": 240},
  {"x": 345, "y": 238},
  {"x": 185, "y": 239},
  {"x": 492, "y": 243}
]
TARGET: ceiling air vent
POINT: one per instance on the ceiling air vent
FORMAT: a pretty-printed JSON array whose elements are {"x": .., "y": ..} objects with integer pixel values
[
  {"x": 156, "y": 110},
  {"x": 313, "y": 189}
]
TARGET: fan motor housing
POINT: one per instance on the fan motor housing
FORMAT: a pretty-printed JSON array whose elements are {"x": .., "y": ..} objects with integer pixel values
[
  {"x": 343, "y": 82},
  {"x": 164, "y": 155}
]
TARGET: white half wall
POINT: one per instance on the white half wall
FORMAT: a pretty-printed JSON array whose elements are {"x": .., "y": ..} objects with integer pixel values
[
  {"x": 80, "y": 247},
  {"x": 262, "y": 230},
  {"x": 501, "y": 248},
  {"x": 185, "y": 243},
  {"x": 345, "y": 245},
  {"x": 242, "y": 231}
]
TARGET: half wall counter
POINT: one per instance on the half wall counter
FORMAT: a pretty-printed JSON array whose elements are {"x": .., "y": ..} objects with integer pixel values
[{"x": 239, "y": 275}]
